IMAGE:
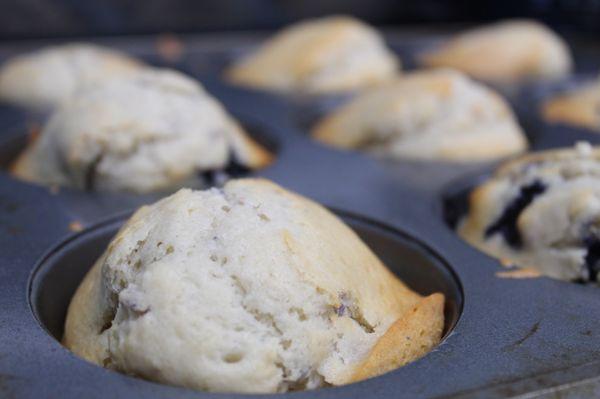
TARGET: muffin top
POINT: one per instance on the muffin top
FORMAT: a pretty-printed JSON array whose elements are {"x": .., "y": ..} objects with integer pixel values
[
  {"x": 579, "y": 107},
  {"x": 47, "y": 77},
  {"x": 150, "y": 130},
  {"x": 541, "y": 211},
  {"x": 505, "y": 52},
  {"x": 248, "y": 288},
  {"x": 436, "y": 114},
  {"x": 325, "y": 55}
]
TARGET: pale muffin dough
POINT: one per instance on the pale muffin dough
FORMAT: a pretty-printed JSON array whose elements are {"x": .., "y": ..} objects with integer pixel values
[
  {"x": 432, "y": 115},
  {"x": 150, "y": 130},
  {"x": 249, "y": 288},
  {"x": 580, "y": 107},
  {"x": 541, "y": 211},
  {"x": 325, "y": 55},
  {"x": 47, "y": 77},
  {"x": 505, "y": 52}
]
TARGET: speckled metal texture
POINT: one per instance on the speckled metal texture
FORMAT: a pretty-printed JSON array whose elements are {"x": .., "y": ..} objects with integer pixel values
[{"x": 505, "y": 337}]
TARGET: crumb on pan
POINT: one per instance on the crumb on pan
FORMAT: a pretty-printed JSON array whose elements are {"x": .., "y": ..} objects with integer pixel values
[
  {"x": 170, "y": 47},
  {"x": 75, "y": 226},
  {"x": 526, "y": 272},
  {"x": 507, "y": 262}
]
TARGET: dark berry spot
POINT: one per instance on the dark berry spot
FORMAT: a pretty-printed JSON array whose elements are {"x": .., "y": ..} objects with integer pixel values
[
  {"x": 232, "y": 169},
  {"x": 592, "y": 257},
  {"x": 235, "y": 168},
  {"x": 208, "y": 176},
  {"x": 91, "y": 172},
  {"x": 456, "y": 207},
  {"x": 506, "y": 224}
]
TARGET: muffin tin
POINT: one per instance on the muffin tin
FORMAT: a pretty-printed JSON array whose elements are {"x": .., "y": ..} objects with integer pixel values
[{"x": 503, "y": 338}]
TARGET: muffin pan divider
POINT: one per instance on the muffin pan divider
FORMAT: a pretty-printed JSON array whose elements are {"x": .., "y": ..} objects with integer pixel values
[{"x": 508, "y": 337}]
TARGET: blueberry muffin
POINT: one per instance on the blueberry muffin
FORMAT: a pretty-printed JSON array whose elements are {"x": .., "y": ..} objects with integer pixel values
[
  {"x": 436, "y": 114},
  {"x": 148, "y": 131},
  {"x": 579, "y": 107},
  {"x": 505, "y": 52},
  {"x": 326, "y": 55},
  {"x": 541, "y": 211},
  {"x": 249, "y": 288},
  {"x": 47, "y": 77}
]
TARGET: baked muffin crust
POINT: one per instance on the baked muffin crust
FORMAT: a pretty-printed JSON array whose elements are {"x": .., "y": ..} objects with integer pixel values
[
  {"x": 249, "y": 288},
  {"x": 151, "y": 130},
  {"x": 325, "y": 55},
  {"x": 579, "y": 107},
  {"x": 436, "y": 114},
  {"x": 45, "y": 78},
  {"x": 541, "y": 211},
  {"x": 505, "y": 52}
]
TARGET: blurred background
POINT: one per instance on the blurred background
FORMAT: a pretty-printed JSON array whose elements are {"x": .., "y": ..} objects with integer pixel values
[{"x": 31, "y": 19}]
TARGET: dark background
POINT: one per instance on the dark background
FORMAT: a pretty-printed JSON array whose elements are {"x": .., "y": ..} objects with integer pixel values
[{"x": 63, "y": 18}]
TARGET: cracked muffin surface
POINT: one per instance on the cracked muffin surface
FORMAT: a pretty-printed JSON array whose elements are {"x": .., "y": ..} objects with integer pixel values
[
  {"x": 541, "y": 211},
  {"x": 437, "y": 114},
  {"x": 152, "y": 130},
  {"x": 47, "y": 77},
  {"x": 578, "y": 107},
  {"x": 325, "y": 55},
  {"x": 248, "y": 288},
  {"x": 505, "y": 52}
]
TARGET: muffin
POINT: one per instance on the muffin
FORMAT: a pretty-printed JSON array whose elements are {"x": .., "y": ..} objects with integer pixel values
[
  {"x": 47, "y": 77},
  {"x": 580, "y": 107},
  {"x": 541, "y": 211},
  {"x": 325, "y": 55},
  {"x": 505, "y": 52},
  {"x": 430, "y": 115},
  {"x": 150, "y": 130},
  {"x": 249, "y": 288}
]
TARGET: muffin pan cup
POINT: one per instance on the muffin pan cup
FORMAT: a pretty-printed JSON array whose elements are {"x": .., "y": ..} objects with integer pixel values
[{"x": 505, "y": 337}]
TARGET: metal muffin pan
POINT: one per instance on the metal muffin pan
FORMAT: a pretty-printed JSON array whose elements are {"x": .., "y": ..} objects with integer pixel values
[{"x": 504, "y": 337}]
